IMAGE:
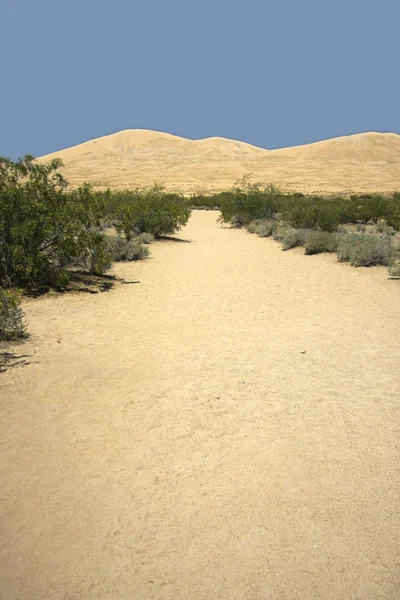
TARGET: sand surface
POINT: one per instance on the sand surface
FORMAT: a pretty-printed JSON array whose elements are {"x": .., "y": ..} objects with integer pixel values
[
  {"x": 225, "y": 429},
  {"x": 367, "y": 162}
]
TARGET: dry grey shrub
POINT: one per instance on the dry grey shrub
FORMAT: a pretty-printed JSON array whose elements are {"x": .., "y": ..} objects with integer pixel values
[
  {"x": 364, "y": 249},
  {"x": 123, "y": 250},
  {"x": 12, "y": 325}
]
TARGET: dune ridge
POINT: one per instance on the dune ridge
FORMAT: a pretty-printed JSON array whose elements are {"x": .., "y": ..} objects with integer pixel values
[{"x": 364, "y": 162}]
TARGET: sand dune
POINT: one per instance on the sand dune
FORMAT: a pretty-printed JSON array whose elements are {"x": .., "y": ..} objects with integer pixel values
[{"x": 358, "y": 163}]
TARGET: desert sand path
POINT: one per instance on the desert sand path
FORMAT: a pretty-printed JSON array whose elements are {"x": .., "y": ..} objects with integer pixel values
[{"x": 226, "y": 429}]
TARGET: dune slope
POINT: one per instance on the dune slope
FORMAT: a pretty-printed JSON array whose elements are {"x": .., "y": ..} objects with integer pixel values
[{"x": 358, "y": 163}]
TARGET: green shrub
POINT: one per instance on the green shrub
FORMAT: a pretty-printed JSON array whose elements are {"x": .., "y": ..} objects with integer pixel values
[
  {"x": 247, "y": 202},
  {"x": 320, "y": 241},
  {"x": 97, "y": 258},
  {"x": 42, "y": 223},
  {"x": 364, "y": 249},
  {"x": 153, "y": 211},
  {"x": 122, "y": 249},
  {"x": 12, "y": 324}
]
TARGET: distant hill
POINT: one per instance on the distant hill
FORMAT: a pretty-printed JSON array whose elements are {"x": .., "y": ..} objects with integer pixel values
[{"x": 359, "y": 163}]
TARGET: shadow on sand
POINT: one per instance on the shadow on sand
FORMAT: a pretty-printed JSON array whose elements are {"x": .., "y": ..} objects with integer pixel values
[
  {"x": 79, "y": 282},
  {"x": 11, "y": 359},
  {"x": 170, "y": 238}
]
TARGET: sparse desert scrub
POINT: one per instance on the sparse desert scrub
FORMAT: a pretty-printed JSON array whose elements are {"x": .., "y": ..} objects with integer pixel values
[
  {"x": 262, "y": 227},
  {"x": 383, "y": 227},
  {"x": 144, "y": 238},
  {"x": 252, "y": 227},
  {"x": 12, "y": 325},
  {"x": 291, "y": 237},
  {"x": 122, "y": 249},
  {"x": 237, "y": 221},
  {"x": 394, "y": 267},
  {"x": 364, "y": 249},
  {"x": 320, "y": 241}
]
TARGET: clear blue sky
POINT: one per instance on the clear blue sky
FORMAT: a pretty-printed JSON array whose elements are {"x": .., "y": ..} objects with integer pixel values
[{"x": 272, "y": 73}]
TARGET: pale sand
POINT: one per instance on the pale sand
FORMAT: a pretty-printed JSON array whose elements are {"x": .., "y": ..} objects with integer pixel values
[
  {"x": 367, "y": 162},
  {"x": 169, "y": 440}
]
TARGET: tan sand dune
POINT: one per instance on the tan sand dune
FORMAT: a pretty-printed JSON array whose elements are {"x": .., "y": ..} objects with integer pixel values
[
  {"x": 226, "y": 429},
  {"x": 364, "y": 162}
]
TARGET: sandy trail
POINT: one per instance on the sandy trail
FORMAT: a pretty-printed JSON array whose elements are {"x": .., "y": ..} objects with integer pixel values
[{"x": 170, "y": 440}]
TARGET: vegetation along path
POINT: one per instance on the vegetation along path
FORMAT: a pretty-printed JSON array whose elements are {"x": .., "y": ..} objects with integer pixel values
[{"x": 224, "y": 429}]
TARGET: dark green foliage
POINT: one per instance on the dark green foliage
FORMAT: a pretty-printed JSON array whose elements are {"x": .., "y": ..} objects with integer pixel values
[
  {"x": 153, "y": 211},
  {"x": 203, "y": 202},
  {"x": 42, "y": 224},
  {"x": 247, "y": 202},
  {"x": 12, "y": 324}
]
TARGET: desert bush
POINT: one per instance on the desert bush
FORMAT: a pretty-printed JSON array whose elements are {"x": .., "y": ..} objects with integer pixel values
[
  {"x": 394, "y": 267},
  {"x": 203, "y": 201},
  {"x": 153, "y": 211},
  {"x": 247, "y": 202},
  {"x": 252, "y": 227},
  {"x": 291, "y": 237},
  {"x": 265, "y": 228},
  {"x": 320, "y": 241},
  {"x": 12, "y": 324},
  {"x": 237, "y": 221},
  {"x": 383, "y": 227},
  {"x": 364, "y": 249},
  {"x": 41, "y": 222},
  {"x": 122, "y": 249},
  {"x": 278, "y": 232},
  {"x": 144, "y": 238},
  {"x": 96, "y": 257}
]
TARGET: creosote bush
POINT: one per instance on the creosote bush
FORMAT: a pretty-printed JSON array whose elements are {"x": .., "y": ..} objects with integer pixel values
[
  {"x": 153, "y": 211},
  {"x": 12, "y": 324},
  {"x": 42, "y": 223},
  {"x": 247, "y": 202}
]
